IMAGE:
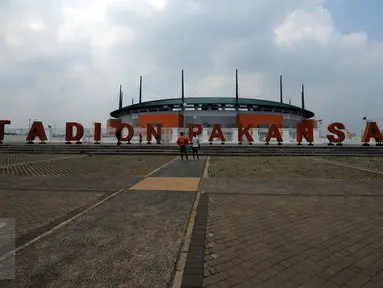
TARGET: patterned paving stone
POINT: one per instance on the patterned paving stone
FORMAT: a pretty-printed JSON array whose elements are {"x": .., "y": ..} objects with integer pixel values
[
  {"x": 304, "y": 187},
  {"x": 373, "y": 163},
  {"x": 285, "y": 167},
  {"x": 293, "y": 222},
  {"x": 37, "y": 193},
  {"x": 91, "y": 166},
  {"x": 130, "y": 241},
  {"x": 279, "y": 241},
  {"x": 68, "y": 183},
  {"x": 187, "y": 168},
  {"x": 33, "y": 209},
  {"x": 13, "y": 159}
]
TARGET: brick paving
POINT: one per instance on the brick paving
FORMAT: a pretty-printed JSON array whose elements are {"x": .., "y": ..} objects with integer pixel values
[
  {"x": 33, "y": 209},
  {"x": 373, "y": 163},
  {"x": 283, "y": 167},
  {"x": 285, "y": 231},
  {"x": 131, "y": 240},
  {"x": 91, "y": 166},
  {"x": 266, "y": 221},
  {"x": 12, "y": 159}
]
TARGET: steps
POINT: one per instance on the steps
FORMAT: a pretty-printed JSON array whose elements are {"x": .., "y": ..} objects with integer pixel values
[{"x": 206, "y": 150}]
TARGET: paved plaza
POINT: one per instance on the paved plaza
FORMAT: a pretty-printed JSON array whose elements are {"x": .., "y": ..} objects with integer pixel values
[{"x": 142, "y": 221}]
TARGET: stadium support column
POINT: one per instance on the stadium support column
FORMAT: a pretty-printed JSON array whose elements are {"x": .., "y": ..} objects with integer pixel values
[
  {"x": 280, "y": 88},
  {"x": 182, "y": 87},
  {"x": 303, "y": 96},
  {"x": 120, "y": 100},
  {"x": 140, "y": 94},
  {"x": 183, "y": 101},
  {"x": 236, "y": 86}
]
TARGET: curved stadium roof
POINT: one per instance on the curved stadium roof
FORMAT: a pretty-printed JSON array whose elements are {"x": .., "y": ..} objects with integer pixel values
[{"x": 158, "y": 104}]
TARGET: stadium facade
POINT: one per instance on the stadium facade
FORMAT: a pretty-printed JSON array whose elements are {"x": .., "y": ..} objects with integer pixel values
[{"x": 207, "y": 111}]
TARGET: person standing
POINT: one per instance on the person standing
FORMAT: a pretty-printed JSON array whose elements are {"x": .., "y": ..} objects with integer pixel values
[
  {"x": 182, "y": 142},
  {"x": 195, "y": 146},
  {"x": 140, "y": 138},
  {"x": 118, "y": 136}
]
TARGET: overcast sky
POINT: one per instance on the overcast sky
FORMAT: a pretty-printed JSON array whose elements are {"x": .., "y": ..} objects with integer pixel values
[{"x": 64, "y": 60}]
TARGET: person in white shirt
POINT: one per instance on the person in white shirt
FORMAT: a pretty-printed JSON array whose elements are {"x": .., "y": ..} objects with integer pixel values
[{"x": 195, "y": 146}]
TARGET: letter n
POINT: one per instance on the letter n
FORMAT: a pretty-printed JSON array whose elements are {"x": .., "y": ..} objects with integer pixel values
[
  {"x": 305, "y": 129},
  {"x": 151, "y": 131}
]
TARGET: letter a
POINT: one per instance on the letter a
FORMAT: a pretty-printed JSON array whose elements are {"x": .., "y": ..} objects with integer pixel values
[
  {"x": 372, "y": 131},
  {"x": 216, "y": 133},
  {"x": 273, "y": 133},
  {"x": 37, "y": 130}
]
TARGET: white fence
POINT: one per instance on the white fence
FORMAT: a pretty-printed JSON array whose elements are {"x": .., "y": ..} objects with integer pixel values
[{"x": 170, "y": 135}]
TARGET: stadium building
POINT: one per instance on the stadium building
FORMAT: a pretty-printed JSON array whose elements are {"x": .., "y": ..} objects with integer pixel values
[{"x": 207, "y": 111}]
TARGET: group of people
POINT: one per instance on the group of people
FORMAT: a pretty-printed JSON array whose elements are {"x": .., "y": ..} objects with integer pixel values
[{"x": 183, "y": 142}]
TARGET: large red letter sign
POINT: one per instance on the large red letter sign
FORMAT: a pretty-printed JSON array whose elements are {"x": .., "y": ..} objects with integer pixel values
[
  {"x": 216, "y": 133},
  {"x": 244, "y": 132},
  {"x": 306, "y": 130},
  {"x": 336, "y": 129},
  {"x": 192, "y": 128},
  {"x": 69, "y": 132},
  {"x": 372, "y": 131},
  {"x": 37, "y": 130},
  {"x": 2, "y": 126},
  {"x": 150, "y": 131},
  {"x": 130, "y": 132},
  {"x": 273, "y": 133},
  {"x": 97, "y": 133}
]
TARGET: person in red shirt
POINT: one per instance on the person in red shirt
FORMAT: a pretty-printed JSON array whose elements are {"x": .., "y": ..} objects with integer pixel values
[
  {"x": 182, "y": 142},
  {"x": 140, "y": 138}
]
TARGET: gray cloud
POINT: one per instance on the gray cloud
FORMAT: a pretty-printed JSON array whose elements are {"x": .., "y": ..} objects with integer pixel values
[{"x": 64, "y": 61}]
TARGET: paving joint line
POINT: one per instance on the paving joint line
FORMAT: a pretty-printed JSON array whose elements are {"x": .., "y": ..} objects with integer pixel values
[
  {"x": 25, "y": 189},
  {"x": 181, "y": 261},
  {"x": 166, "y": 164},
  {"x": 194, "y": 267},
  {"x": 29, "y": 238},
  {"x": 296, "y": 195},
  {"x": 206, "y": 169}
]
